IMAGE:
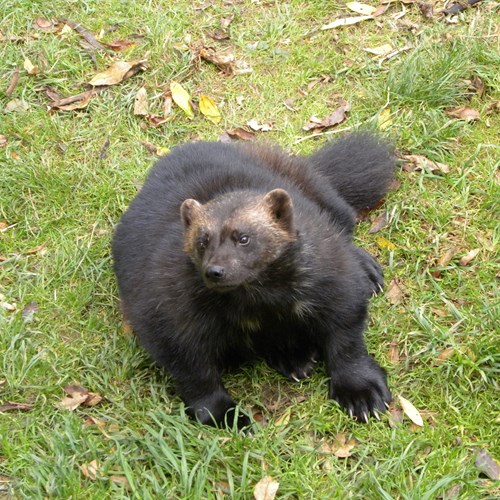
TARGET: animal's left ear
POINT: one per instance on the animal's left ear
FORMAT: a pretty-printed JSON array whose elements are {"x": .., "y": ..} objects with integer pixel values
[{"x": 280, "y": 206}]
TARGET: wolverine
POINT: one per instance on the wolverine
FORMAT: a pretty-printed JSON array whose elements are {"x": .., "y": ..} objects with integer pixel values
[{"x": 232, "y": 253}]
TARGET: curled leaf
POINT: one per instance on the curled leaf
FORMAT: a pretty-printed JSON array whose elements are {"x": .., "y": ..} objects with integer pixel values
[
  {"x": 411, "y": 412},
  {"x": 209, "y": 109},
  {"x": 181, "y": 97},
  {"x": 118, "y": 72}
]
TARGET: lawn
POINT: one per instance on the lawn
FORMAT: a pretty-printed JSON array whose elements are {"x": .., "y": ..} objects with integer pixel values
[{"x": 428, "y": 82}]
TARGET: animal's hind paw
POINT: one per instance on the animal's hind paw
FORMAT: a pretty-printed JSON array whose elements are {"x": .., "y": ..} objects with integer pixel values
[{"x": 293, "y": 369}]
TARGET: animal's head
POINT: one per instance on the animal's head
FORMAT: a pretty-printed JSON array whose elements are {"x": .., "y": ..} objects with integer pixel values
[{"x": 236, "y": 236}]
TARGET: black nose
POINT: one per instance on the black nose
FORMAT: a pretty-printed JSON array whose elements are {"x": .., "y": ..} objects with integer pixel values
[{"x": 214, "y": 273}]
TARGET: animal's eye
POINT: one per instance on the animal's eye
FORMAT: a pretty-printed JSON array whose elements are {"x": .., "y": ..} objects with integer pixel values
[
  {"x": 203, "y": 242},
  {"x": 244, "y": 239}
]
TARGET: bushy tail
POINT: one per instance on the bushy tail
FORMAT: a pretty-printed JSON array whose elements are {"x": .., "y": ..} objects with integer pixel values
[{"x": 359, "y": 165}]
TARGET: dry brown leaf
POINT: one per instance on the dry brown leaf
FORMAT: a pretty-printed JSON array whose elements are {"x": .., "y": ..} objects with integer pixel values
[
  {"x": 141, "y": 102},
  {"x": 394, "y": 352},
  {"x": 78, "y": 101},
  {"x": 29, "y": 311},
  {"x": 240, "y": 133},
  {"x": 463, "y": 113},
  {"x": 3, "y": 141},
  {"x": 219, "y": 34},
  {"x": 156, "y": 150},
  {"x": 464, "y": 261},
  {"x": 378, "y": 223},
  {"x": 343, "y": 446},
  {"x": 41, "y": 249},
  {"x": 446, "y": 354},
  {"x": 120, "y": 45},
  {"x": 264, "y": 127},
  {"x": 12, "y": 406},
  {"x": 346, "y": 21},
  {"x": 338, "y": 116},
  {"x": 118, "y": 72},
  {"x": 419, "y": 162},
  {"x": 77, "y": 396},
  {"x": 477, "y": 84},
  {"x": 427, "y": 9},
  {"x": 85, "y": 33},
  {"x": 30, "y": 68},
  {"x": 444, "y": 260},
  {"x": 16, "y": 106},
  {"x": 266, "y": 489},
  {"x": 120, "y": 480},
  {"x": 488, "y": 465},
  {"x": 223, "y": 60},
  {"x": 411, "y": 412},
  {"x": 157, "y": 120},
  {"x": 91, "y": 470},
  {"x": 394, "y": 292}
]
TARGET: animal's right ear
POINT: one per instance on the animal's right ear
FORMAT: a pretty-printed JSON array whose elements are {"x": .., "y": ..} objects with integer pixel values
[{"x": 190, "y": 211}]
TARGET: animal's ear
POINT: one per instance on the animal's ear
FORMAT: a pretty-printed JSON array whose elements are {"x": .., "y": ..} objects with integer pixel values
[
  {"x": 280, "y": 206},
  {"x": 190, "y": 211}
]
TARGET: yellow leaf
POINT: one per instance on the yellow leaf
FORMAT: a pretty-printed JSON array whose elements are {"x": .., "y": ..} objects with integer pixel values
[
  {"x": 412, "y": 413},
  {"x": 384, "y": 119},
  {"x": 181, "y": 98},
  {"x": 209, "y": 109},
  {"x": 30, "y": 68},
  {"x": 117, "y": 72},
  {"x": 384, "y": 243},
  {"x": 283, "y": 419},
  {"x": 361, "y": 8},
  {"x": 380, "y": 50}
]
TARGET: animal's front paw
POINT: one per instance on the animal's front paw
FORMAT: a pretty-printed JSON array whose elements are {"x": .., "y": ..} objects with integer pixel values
[
  {"x": 372, "y": 269},
  {"x": 219, "y": 410},
  {"x": 360, "y": 387},
  {"x": 294, "y": 368}
]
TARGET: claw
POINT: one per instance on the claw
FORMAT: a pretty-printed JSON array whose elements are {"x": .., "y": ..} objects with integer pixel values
[
  {"x": 386, "y": 405},
  {"x": 380, "y": 287},
  {"x": 314, "y": 360},
  {"x": 376, "y": 415},
  {"x": 350, "y": 413},
  {"x": 294, "y": 377},
  {"x": 365, "y": 417}
]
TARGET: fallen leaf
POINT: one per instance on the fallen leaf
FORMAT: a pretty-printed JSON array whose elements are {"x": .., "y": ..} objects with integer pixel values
[
  {"x": 394, "y": 352},
  {"x": 91, "y": 470},
  {"x": 343, "y": 446},
  {"x": 411, "y": 412},
  {"x": 284, "y": 418},
  {"x": 11, "y": 406},
  {"x": 141, "y": 102},
  {"x": 419, "y": 162},
  {"x": 266, "y": 489},
  {"x": 223, "y": 60},
  {"x": 384, "y": 120},
  {"x": 487, "y": 465},
  {"x": 446, "y": 354},
  {"x": 426, "y": 9},
  {"x": 29, "y": 311},
  {"x": 453, "y": 493},
  {"x": 118, "y": 72},
  {"x": 156, "y": 150},
  {"x": 463, "y": 113},
  {"x": 338, "y": 116},
  {"x": 226, "y": 21},
  {"x": 464, "y": 261},
  {"x": 394, "y": 293},
  {"x": 120, "y": 480},
  {"x": 219, "y": 34},
  {"x": 477, "y": 84},
  {"x": 30, "y": 68},
  {"x": 384, "y": 243},
  {"x": 44, "y": 24},
  {"x": 120, "y": 45},
  {"x": 103, "y": 154},
  {"x": 378, "y": 223},
  {"x": 241, "y": 133},
  {"x": 346, "y": 21},
  {"x": 395, "y": 416},
  {"x": 444, "y": 260},
  {"x": 361, "y": 8},
  {"x": 3, "y": 141},
  {"x": 72, "y": 103},
  {"x": 157, "y": 120},
  {"x": 381, "y": 50},
  {"x": 77, "y": 396},
  {"x": 209, "y": 109},
  {"x": 181, "y": 98},
  {"x": 264, "y": 127},
  {"x": 16, "y": 106}
]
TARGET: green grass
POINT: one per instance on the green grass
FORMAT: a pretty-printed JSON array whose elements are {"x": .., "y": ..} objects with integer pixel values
[{"x": 56, "y": 191}]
